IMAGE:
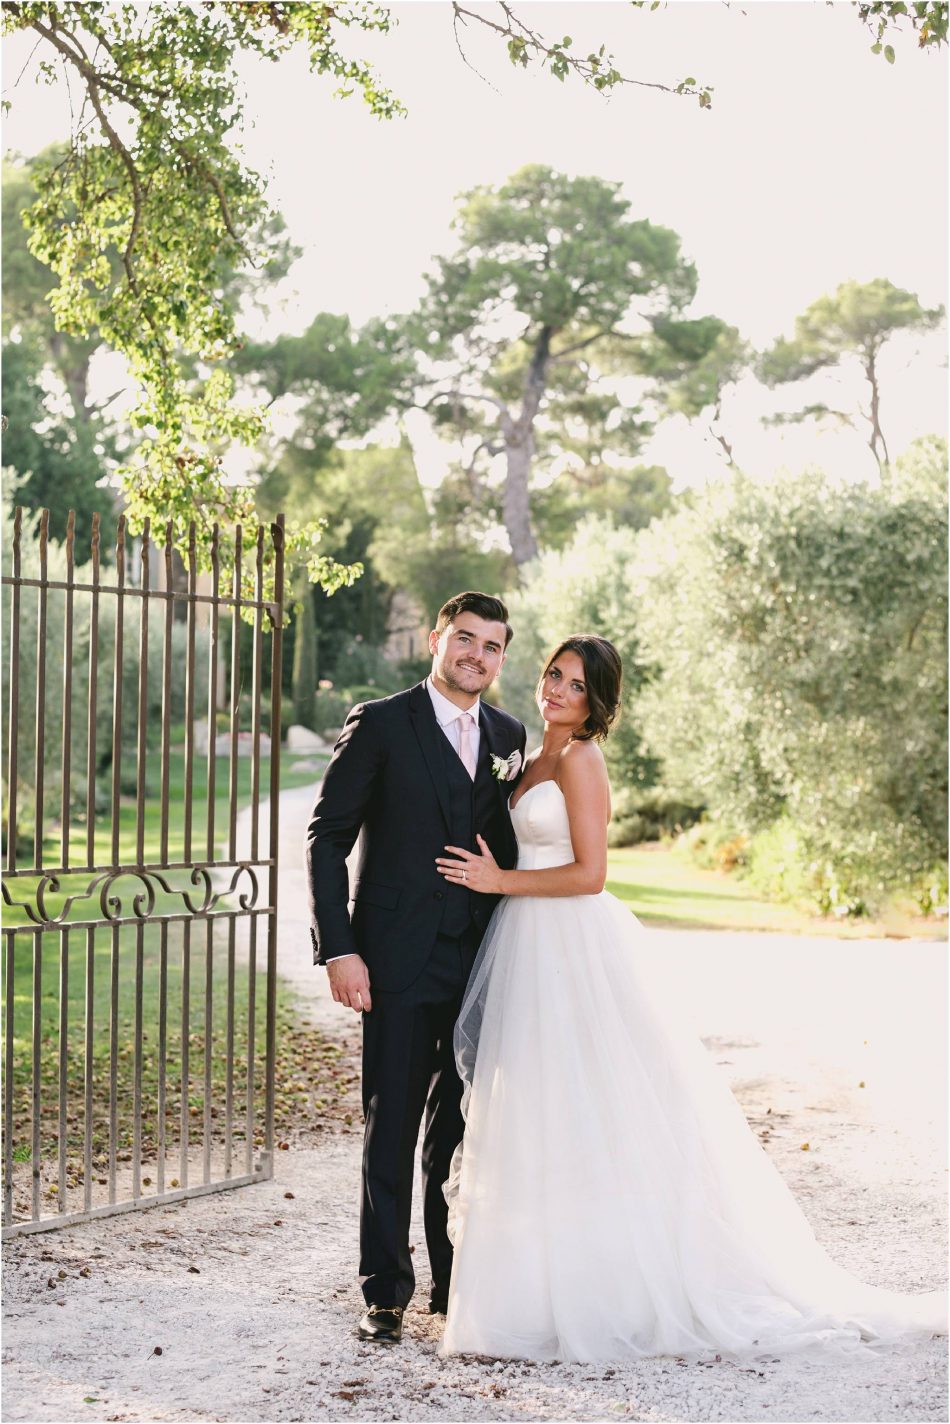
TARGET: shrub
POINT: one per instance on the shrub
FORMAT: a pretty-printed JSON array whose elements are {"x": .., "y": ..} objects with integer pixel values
[
  {"x": 647, "y": 816},
  {"x": 798, "y": 632}
]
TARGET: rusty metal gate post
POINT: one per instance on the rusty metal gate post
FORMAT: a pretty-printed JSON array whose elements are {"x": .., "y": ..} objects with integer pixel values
[{"x": 277, "y": 645}]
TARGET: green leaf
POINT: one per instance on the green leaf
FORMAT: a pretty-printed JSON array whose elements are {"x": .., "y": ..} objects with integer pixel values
[{"x": 889, "y": 53}]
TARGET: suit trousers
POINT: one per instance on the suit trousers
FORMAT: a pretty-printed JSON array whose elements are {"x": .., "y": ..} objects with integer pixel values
[{"x": 409, "y": 1069}]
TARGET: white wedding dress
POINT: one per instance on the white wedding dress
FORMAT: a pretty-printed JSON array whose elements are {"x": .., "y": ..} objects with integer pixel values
[{"x": 609, "y": 1200}]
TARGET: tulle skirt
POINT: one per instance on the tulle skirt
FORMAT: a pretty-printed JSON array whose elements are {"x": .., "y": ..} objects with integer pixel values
[{"x": 609, "y": 1200}]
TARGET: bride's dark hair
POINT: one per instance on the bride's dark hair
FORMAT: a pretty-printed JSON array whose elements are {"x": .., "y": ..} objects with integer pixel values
[{"x": 603, "y": 674}]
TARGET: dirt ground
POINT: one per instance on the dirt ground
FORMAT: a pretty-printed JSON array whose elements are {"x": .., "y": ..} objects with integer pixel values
[{"x": 242, "y": 1305}]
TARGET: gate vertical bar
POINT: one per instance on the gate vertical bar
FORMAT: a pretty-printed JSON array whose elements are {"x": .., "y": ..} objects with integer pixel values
[
  {"x": 213, "y": 687},
  {"x": 229, "y": 1053},
  {"x": 140, "y": 796},
  {"x": 183, "y": 1121},
  {"x": 9, "y": 941},
  {"x": 235, "y": 721},
  {"x": 113, "y": 1060},
  {"x": 88, "y": 1067},
  {"x": 14, "y": 713},
  {"x": 256, "y": 695},
  {"x": 256, "y": 699},
  {"x": 162, "y": 1050},
  {"x": 190, "y": 687},
  {"x": 166, "y": 697},
  {"x": 275, "y": 700},
  {"x": 93, "y": 700},
  {"x": 210, "y": 846},
  {"x": 39, "y": 746},
  {"x": 141, "y": 749},
  {"x": 137, "y": 1068},
  {"x": 186, "y": 851},
  {"x": 67, "y": 692},
  {"x": 13, "y": 720},
  {"x": 36, "y": 1045},
  {"x": 164, "y": 799},
  {"x": 63, "y": 1064},
  {"x": 251, "y": 1044},
  {"x": 117, "y": 684},
  {"x": 234, "y": 727},
  {"x": 209, "y": 1043},
  {"x": 116, "y": 790}
]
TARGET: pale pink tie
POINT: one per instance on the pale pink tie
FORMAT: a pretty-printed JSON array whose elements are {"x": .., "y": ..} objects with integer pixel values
[{"x": 467, "y": 742}]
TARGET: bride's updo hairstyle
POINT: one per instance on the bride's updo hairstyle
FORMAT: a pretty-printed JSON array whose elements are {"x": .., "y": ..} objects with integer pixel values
[{"x": 603, "y": 674}]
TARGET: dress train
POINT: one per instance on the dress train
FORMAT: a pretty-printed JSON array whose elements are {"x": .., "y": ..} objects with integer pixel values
[{"x": 610, "y": 1200}]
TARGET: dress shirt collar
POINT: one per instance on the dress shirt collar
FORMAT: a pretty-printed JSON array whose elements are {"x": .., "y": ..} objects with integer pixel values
[{"x": 446, "y": 711}]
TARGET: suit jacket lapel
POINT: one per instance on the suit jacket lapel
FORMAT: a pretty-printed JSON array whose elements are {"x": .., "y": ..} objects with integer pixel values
[
  {"x": 490, "y": 731},
  {"x": 427, "y": 729}
]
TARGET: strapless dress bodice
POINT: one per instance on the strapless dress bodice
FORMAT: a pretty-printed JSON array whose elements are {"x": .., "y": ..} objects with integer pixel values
[{"x": 540, "y": 821}]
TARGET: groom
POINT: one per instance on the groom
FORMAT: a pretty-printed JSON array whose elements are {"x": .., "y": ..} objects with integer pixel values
[{"x": 425, "y": 768}]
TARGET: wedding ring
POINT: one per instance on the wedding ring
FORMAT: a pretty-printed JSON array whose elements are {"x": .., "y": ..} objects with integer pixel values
[{"x": 463, "y": 874}]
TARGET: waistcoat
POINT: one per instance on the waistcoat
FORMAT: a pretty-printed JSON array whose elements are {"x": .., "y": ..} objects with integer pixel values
[{"x": 474, "y": 806}]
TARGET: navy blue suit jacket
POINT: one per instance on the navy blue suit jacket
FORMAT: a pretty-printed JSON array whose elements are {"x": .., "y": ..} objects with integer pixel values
[{"x": 386, "y": 779}]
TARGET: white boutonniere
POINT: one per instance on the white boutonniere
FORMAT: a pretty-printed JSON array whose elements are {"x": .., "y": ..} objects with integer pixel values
[{"x": 506, "y": 768}]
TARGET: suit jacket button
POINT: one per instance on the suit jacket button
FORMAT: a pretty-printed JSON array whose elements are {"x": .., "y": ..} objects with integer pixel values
[{"x": 438, "y": 895}]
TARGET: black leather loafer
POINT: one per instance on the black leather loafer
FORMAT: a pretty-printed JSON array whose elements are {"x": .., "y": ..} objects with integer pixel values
[
  {"x": 438, "y": 1305},
  {"x": 382, "y": 1323}
]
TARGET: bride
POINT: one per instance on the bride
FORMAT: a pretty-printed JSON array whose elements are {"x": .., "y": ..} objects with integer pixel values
[{"x": 609, "y": 1200}]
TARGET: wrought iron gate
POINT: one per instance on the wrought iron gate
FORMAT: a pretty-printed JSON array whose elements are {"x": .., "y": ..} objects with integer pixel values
[{"x": 139, "y": 1048}]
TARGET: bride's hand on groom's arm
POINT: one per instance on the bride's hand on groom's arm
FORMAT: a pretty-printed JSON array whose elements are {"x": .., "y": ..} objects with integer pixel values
[
  {"x": 349, "y": 982},
  {"x": 481, "y": 873}
]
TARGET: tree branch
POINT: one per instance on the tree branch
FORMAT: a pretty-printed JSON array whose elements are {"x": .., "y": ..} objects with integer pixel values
[
  {"x": 457, "y": 395},
  {"x": 458, "y": 15},
  {"x": 579, "y": 345},
  {"x": 80, "y": 62},
  {"x": 596, "y": 70}
]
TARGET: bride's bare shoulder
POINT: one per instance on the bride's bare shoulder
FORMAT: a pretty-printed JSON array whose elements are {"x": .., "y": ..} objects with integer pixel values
[{"x": 582, "y": 760}]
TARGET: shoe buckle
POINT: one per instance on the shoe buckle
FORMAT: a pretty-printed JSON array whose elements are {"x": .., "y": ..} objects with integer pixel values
[{"x": 385, "y": 1310}]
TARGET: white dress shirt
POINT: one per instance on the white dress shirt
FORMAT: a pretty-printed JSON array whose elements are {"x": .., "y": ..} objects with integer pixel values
[{"x": 447, "y": 715}]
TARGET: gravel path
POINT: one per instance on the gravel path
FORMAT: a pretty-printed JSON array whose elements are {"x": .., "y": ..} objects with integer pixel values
[{"x": 242, "y": 1305}]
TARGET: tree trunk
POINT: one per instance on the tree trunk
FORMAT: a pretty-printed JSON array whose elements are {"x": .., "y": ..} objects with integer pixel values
[
  {"x": 304, "y": 672},
  {"x": 519, "y": 452},
  {"x": 719, "y": 436},
  {"x": 516, "y": 503},
  {"x": 75, "y": 375},
  {"x": 877, "y": 442}
]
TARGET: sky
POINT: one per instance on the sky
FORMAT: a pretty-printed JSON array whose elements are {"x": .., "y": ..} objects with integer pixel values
[{"x": 817, "y": 163}]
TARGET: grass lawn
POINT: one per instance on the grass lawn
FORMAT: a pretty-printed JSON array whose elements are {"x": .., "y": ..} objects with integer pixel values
[{"x": 665, "y": 888}]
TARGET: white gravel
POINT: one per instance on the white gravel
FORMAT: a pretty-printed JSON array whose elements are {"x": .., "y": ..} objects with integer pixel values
[{"x": 251, "y": 1297}]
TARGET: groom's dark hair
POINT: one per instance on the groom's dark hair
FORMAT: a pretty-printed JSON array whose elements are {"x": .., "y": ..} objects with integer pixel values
[{"x": 483, "y": 605}]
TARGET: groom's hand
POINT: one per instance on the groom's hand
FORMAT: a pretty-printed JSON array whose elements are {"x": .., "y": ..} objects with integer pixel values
[{"x": 349, "y": 982}]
